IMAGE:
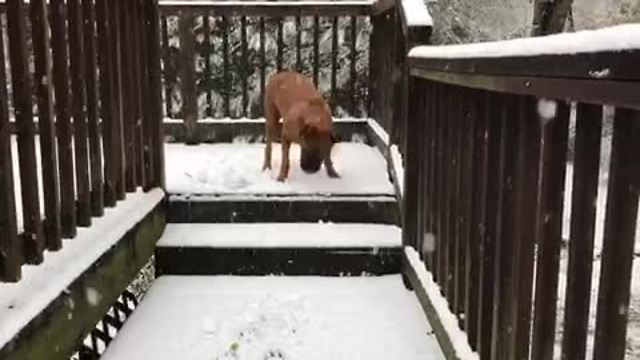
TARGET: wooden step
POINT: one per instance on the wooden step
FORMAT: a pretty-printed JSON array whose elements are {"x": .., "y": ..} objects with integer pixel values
[
  {"x": 279, "y": 248},
  {"x": 377, "y": 209}
]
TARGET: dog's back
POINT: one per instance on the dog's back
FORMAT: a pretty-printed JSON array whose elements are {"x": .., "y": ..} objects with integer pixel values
[{"x": 287, "y": 88}]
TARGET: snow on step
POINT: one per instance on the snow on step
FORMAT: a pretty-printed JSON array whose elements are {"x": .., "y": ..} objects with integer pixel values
[
  {"x": 282, "y": 235},
  {"x": 237, "y": 169},
  {"x": 257, "y": 318}
]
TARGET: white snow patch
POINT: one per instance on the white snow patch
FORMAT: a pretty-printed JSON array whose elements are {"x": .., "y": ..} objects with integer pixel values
[
  {"x": 416, "y": 13},
  {"x": 22, "y": 301},
  {"x": 237, "y": 169},
  {"x": 547, "y": 109},
  {"x": 379, "y": 131},
  {"x": 256, "y": 318},
  {"x": 617, "y": 38},
  {"x": 429, "y": 243},
  {"x": 93, "y": 296},
  {"x": 458, "y": 337},
  {"x": 396, "y": 159},
  {"x": 299, "y": 235},
  {"x": 600, "y": 74}
]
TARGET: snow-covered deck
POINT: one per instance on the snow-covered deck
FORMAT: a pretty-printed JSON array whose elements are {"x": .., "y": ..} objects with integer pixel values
[
  {"x": 237, "y": 169},
  {"x": 222, "y": 317}
]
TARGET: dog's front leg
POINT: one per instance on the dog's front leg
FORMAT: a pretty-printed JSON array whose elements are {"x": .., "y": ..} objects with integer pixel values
[
  {"x": 284, "y": 164},
  {"x": 331, "y": 171}
]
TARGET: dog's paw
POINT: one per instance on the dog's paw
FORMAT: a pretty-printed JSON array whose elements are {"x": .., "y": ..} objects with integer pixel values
[
  {"x": 333, "y": 174},
  {"x": 281, "y": 178}
]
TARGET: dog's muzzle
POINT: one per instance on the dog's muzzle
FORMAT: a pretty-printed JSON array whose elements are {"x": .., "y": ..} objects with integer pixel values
[{"x": 310, "y": 162}]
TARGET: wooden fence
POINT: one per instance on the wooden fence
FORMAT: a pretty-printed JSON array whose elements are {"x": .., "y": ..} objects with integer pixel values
[
  {"x": 485, "y": 179},
  {"x": 91, "y": 68},
  {"x": 217, "y": 57}
]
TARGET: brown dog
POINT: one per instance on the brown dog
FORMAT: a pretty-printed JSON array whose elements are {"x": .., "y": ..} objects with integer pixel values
[{"x": 306, "y": 120}]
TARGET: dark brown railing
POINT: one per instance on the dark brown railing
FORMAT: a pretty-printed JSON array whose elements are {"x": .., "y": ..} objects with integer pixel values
[
  {"x": 218, "y": 56},
  {"x": 95, "y": 87},
  {"x": 485, "y": 178}
]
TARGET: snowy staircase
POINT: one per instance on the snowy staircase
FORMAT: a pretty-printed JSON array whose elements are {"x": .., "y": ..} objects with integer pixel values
[{"x": 334, "y": 246}]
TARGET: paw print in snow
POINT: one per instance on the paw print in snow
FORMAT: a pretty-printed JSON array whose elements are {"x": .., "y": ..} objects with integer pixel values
[{"x": 274, "y": 355}]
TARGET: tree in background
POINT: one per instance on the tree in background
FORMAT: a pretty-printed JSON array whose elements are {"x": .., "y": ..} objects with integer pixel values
[{"x": 550, "y": 17}]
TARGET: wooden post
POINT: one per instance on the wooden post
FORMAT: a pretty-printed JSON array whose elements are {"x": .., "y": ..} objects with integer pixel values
[
  {"x": 63, "y": 117},
  {"x": 129, "y": 95},
  {"x": 353, "y": 59},
  {"x": 188, "y": 77},
  {"x": 147, "y": 105},
  {"x": 153, "y": 31},
  {"x": 32, "y": 238},
  {"x": 10, "y": 254},
  {"x": 334, "y": 63},
  {"x": 116, "y": 129},
  {"x": 79, "y": 106},
  {"x": 316, "y": 49},
  {"x": 138, "y": 128},
  {"x": 619, "y": 236},
  {"x": 48, "y": 151},
  {"x": 206, "y": 54},
  {"x": 106, "y": 99},
  {"x": 246, "y": 69},
  {"x": 226, "y": 76},
  {"x": 586, "y": 165},
  {"x": 93, "y": 116},
  {"x": 555, "y": 134}
]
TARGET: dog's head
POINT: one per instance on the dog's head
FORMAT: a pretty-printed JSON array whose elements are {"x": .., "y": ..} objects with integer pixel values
[
  {"x": 316, "y": 136},
  {"x": 315, "y": 147}
]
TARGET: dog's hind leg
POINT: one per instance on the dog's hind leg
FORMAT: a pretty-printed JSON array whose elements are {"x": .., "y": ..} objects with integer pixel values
[{"x": 270, "y": 128}]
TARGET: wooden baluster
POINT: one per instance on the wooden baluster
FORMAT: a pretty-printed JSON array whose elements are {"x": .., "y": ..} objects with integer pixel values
[
  {"x": 48, "y": 151},
  {"x": 93, "y": 117},
  {"x": 78, "y": 110},
  {"x": 10, "y": 249}
]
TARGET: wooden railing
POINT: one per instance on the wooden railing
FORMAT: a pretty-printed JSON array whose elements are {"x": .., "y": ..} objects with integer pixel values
[
  {"x": 95, "y": 87},
  {"x": 486, "y": 159},
  {"x": 218, "y": 56}
]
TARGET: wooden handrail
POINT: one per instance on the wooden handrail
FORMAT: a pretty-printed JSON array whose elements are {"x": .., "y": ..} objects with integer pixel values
[{"x": 490, "y": 122}]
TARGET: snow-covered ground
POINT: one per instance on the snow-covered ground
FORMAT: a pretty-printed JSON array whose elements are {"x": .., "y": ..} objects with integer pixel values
[
  {"x": 237, "y": 169},
  {"x": 281, "y": 235},
  {"x": 268, "y": 318}
]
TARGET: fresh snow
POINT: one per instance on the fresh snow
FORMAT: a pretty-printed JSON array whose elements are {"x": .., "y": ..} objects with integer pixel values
[
  {"x": 22, "y": 301},
  {"x": 398, "y": 167},
  {"x": 226, "y": 317},
  {"x": 378, "y": 130},
  {"x": 285, "y": 235},
  {"x": 237, "y": 169},
  {"x": 458, "y": 337},
  {"x": 416, "y": 13},
  {"x": 617, "y": 38}
]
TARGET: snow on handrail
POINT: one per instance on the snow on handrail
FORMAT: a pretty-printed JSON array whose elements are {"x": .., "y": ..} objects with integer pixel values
[
  {"x": 617, "y": 38},
  {"x": 416, "y": 13}
]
